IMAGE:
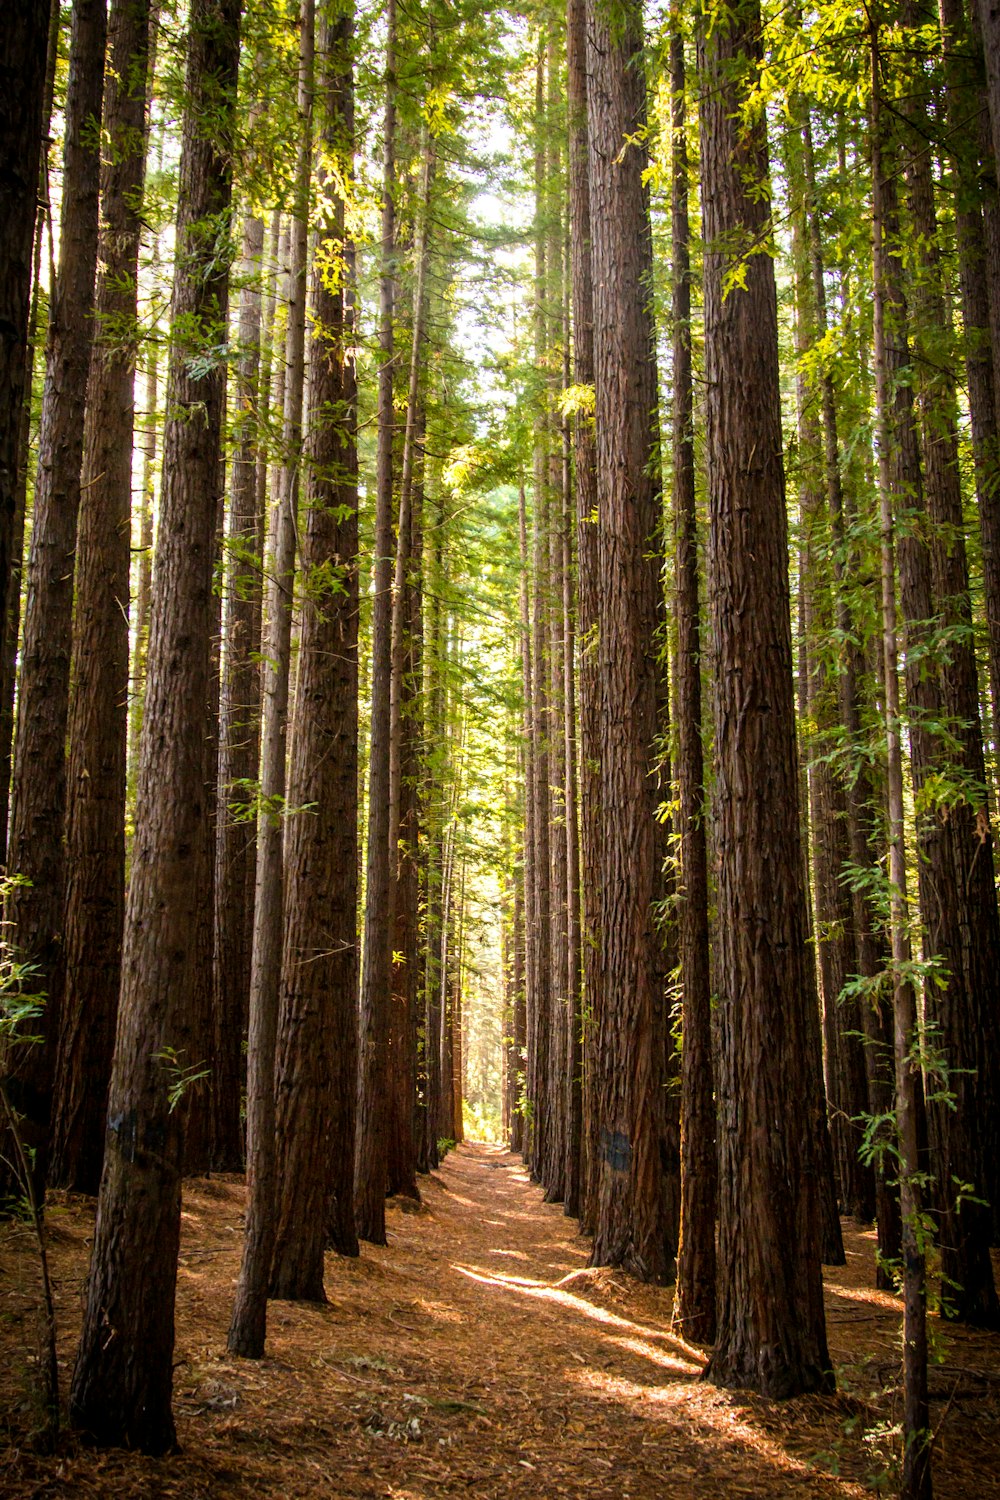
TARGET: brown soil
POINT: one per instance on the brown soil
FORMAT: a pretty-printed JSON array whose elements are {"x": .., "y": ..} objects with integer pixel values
[{"x": 476, "y": 1356}]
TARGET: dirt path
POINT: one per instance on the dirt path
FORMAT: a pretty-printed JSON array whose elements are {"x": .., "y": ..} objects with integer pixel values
[{"x": 475, "y": 1356}]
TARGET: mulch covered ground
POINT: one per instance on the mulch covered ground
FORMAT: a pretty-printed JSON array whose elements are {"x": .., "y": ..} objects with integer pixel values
[{"x": 476, "y": 1356}]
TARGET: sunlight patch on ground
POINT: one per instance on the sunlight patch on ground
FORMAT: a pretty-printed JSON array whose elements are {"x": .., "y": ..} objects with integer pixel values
[
  {"x": 712, "y": 1420},
  {"x": 870, "y": 1295},
  {"x": 544, "y": 1291}
]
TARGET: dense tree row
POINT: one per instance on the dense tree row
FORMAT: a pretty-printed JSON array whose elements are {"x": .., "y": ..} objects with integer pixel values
[{"x": 368, "y": 661}]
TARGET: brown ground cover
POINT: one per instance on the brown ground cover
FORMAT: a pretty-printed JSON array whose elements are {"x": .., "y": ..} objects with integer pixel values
[{"x": 476, "y": 1356}]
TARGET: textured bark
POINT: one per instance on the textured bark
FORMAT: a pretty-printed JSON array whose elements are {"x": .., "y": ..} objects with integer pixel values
[
  {"x": 98, "y": 716},
  {"x": 434, "y": 865},
  {"x": 957, "y": 892},
  {"x": 540, "y": 925},
  {"x": 247, "y": 1329},
  {"x": 317, "y": 1072},
  {"x": 588, "y": 588},
  {"x": 38, "y": 794},
  {"x": 122, "y": 1382},
  {"x": 974, "y": 285},
  {"x": 239, "y": 730},
  {"x": 23, "y": 121},
  {"x": 694, "y": 1300},
  {"x": 896, "y": 453},
  {"x": 403, "y": 743},
  {"x": 771, "y": 1333},
  {"x": 632, "y": 1210},
  {"x": 143, "y": 594},
  {"x": 520, "y": 1133},
  {"x": 836, "y": 944},
  {"x": 862, "y": 831},
  {"x": 371, "y": 1167},
  {"x": 27, "y": 80},
  {"x": 573, "y": 1181}
]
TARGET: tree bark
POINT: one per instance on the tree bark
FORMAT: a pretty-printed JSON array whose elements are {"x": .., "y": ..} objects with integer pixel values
[
  {"x": 632, "y": 1211},
  {"x": 239, "y": 728},
  {"x": 771, "y": 1333},
  {"x": 371, "y": 1166},
  {"x": 98, "y": 716},
  {"x": 896, "y": 446},
  {"x": 317, "y": 1074},
  {"x": 36, "y": 851},
  {"x": 24, "y": 46},
  {"x": 122, "y": 1381},
  {"x": 694, "y": 1300}
]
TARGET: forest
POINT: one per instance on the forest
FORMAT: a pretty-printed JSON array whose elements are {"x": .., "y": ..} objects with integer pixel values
[{"x": 499, "y": 736}]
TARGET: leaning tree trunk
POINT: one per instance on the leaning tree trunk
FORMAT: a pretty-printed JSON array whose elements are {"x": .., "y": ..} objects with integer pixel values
[
  {"x": 98, "y": 719},
  {"x": 771, "y": 1332},
  {"x": 121, "y": 1390},
  {"x": 36, "y": 852},
  {"x": 631, "y": 1211}
]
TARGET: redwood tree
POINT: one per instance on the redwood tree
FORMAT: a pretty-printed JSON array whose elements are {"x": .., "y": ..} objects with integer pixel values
[
  {"x": 631, "y": 1215},
  {"x": 771, "y": 1332},
  {"x": 123, "y": 1378}
]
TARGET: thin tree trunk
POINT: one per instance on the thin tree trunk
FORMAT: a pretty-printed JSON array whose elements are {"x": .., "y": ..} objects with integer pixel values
[
  {"x": 371, "y": 1167},
  {"x": 401, "y": 1144},
  {"x": 239, "y": 728},
  {"x": 896, "y": 436},
  {"x": 694, "y": 1300},
  {"x": 21, "y": 136},
  {"x": 121, "y": 1390},
  {"x": 24, "y": 46}
]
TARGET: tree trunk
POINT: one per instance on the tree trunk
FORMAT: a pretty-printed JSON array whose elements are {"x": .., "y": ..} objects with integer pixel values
[
  {"x": 957, "y": 892},
  {"x": 98, "y": 717},
  {"x": 122, "y": 1385},
  {"x": 403, "y": 752},
  {"x": 36, "y": 851},
  {"x": 588, "y": 587},
  {"x": 21, "y": 133},
  {"x": 632, "y": 1209},
  {"x": 771, "y": 1334},
  {"x": 239, "y": 729},
  {"x": 694, "y": 1300},
  {"x": 371, "y": 1167},
  {"x": 317, "y": 1073},
  {"x": 896, "y": 446},
  {"x": 24, "y": 45}
]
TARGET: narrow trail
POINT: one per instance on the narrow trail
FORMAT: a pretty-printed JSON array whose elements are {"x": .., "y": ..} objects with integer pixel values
[{"x": 473, "y": 1355}]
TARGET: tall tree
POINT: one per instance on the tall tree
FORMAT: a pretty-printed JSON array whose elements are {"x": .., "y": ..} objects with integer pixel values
[
  {"x": 771, "y": 1333},
  {"x": 631, "y": 1217},
  {"x": 36, "y": 852},
  {"x": 896, "y": 457},
  {"x": 23, "y": 49},
  {"x": 121, "y": 1391},
  {"x": 98, "y": 719},
  {"x": 317, "y": 1074},
  {"x": 694, "y": 1304}
]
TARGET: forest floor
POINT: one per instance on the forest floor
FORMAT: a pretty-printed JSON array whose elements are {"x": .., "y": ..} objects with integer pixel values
[{"x": 475, "y": 1355}]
